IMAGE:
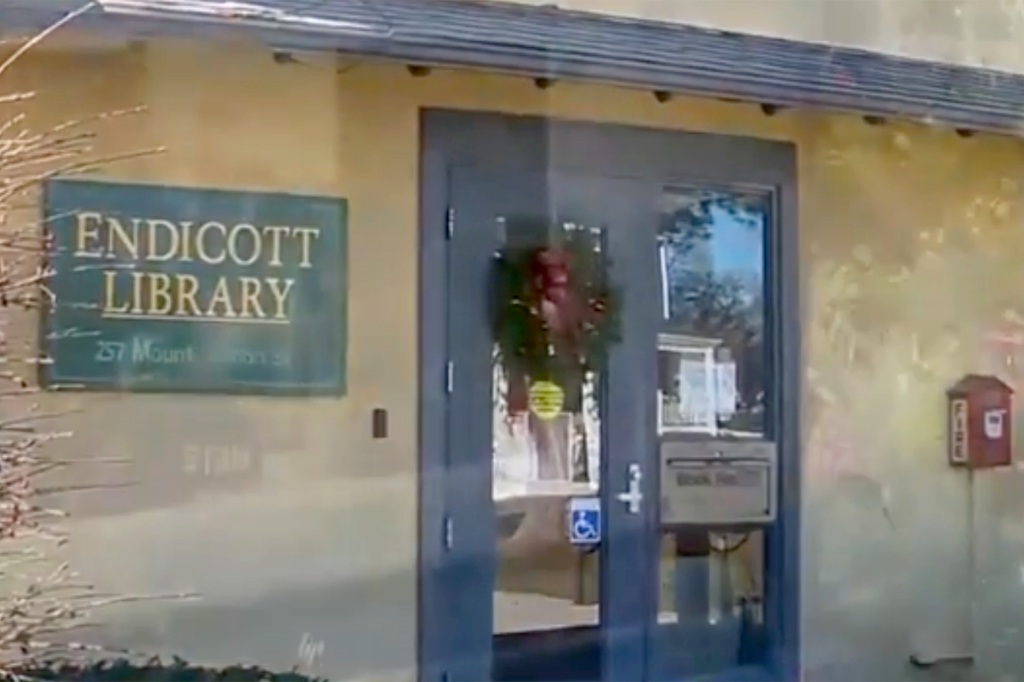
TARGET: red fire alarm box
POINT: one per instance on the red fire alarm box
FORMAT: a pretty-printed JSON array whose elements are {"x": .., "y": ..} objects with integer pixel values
[{"x": 980, "y": 410}]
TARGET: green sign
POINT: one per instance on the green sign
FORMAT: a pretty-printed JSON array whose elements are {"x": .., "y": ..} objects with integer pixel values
[{"x": 175, "y": 289}]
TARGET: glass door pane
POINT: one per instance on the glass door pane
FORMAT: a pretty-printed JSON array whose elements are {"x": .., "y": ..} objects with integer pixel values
[
  {"x": 548, "y": 557},
  {"x": 712, "y": 383},
  {"x": 546, "y": 465}
]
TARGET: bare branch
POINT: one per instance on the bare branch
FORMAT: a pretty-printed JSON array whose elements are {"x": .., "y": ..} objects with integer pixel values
[
  {"x": 42, "y": 599},
  {"x": 43, "y": 35}
]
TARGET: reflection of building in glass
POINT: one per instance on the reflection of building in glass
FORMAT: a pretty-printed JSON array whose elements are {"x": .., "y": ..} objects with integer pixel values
[{"x": 697, "y": 381}]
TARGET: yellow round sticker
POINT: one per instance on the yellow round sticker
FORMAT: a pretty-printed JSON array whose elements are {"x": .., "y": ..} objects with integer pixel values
[{"x": 546, "y": 400}]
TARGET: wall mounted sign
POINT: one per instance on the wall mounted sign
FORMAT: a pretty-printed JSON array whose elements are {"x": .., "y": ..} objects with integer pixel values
[{"x": 176, "y": 289}]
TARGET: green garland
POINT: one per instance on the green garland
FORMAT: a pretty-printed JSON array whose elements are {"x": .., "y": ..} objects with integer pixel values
[{"x": 527, "y": 347}]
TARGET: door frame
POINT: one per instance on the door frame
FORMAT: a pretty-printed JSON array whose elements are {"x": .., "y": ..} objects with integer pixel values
[{"x": 447, "y": 140}]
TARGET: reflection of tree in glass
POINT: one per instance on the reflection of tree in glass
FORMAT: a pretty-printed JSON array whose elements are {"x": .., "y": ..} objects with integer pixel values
[{"x": 709, "y": 300}]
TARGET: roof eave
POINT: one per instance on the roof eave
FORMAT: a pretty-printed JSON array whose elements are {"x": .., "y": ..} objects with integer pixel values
[{"x": 541, "y": 41}]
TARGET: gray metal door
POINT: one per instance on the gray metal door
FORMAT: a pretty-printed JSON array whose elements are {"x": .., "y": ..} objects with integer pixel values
[
  {"x": 505, "y": 593},
  {"x": 547, "y": 608}
]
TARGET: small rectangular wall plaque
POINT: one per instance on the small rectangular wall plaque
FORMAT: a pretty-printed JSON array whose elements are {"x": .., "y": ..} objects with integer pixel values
[{"x": 177, "y": 289}]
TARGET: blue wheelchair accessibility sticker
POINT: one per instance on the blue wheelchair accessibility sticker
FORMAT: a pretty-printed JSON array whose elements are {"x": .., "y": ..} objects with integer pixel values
[{"x": 584, "y": 520}]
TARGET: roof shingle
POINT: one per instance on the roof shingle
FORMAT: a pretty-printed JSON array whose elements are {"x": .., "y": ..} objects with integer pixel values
[{"x": 547, "y": 41}]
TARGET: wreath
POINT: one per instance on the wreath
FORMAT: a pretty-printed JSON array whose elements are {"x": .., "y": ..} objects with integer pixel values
[{"x": 555, "y": 315}]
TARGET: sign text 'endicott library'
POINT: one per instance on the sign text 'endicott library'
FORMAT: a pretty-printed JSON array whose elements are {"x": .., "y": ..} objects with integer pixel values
[
  {"x": 170, "y": 288},
  {"x": 149, "y": 291}
]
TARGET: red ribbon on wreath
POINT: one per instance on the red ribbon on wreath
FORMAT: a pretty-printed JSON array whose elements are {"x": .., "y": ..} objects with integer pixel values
[
  {"x": 551, "y": 279},
  {"x": 567, "y": 315}
]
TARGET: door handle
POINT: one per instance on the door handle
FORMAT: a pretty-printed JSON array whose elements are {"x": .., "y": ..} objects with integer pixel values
[{"x": 634, "y": 494}]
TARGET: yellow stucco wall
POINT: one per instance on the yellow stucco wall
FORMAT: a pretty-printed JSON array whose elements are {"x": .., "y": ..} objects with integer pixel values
[{"x": 909, "y": 239}]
